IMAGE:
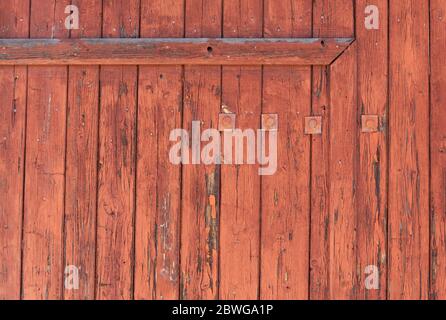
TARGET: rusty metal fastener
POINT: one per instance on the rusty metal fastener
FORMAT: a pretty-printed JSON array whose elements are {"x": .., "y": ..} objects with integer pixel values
[
  {"x": 370, "y": 123},
  {"x": 226, "y": 121},
  {"x": 270, "y": 122},
  {"x": 313, "y": 125}
]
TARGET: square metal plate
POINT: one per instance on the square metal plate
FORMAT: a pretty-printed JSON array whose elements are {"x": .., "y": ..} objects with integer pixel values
[
  {"x": 226, "y": 121},
  {"x": 370, "y": 123},
  {"x": 313, "y": 125},
  {"x": 270, "y": 122}
]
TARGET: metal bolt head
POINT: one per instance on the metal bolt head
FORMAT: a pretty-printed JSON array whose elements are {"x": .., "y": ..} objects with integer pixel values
[
  {"x": 226, "y": 121},
  {"x": 270, "y": 122},
  {"x": 313, "y": 125},
  {"x": 370, "y": 123}
]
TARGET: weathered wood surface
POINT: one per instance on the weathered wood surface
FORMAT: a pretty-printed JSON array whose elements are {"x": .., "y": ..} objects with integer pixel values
[
  {"x": 200, "y": 207},
  {"x": 438, "y": 151},
  {"x": 240, "y": 185},
  {"x": 85, "y": 178},
  {"x": 333, "y": 176},
  {"x": 285, "y": 198},
  {"x": 158, "y": 188},
  {"x": 117, "y": 161},
  {"x": 81, "y": 160},
  {"x": 408, "y": 225},
  {"x": 318, "y": 51},
  {"x": 371, "y": 206},
  {"x": 13, "y": 94},
  {"x": 43, "y": 221},
  {"x": 343, "y": 172}
]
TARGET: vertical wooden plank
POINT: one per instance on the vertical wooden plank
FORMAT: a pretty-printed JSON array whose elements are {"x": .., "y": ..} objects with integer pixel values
[
  {"x": 81, "y": 162},
  {"x": 409, "y": 150},
  {"x": 330, "y": 19},
  {"x": 319, "y": 231},
  {"x": 14, "y": 23},
  {"x": 45, "y": 163},
  {"x": 343, "y": 155},
  {"x": 158, "y": 187},
  {"x": 372, "y": 175},
  {"x": 240, "y": 184},
  {"x": 117, "y": 151},
  {"x": 200, "y": 206},
  {"x": 438, "y": 150},
  {"x": 285, "y": 197}
]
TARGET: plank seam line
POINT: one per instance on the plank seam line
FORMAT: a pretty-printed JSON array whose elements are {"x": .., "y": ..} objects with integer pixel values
[
  {"x": 180, "y": 206},
  {"x": 353, "y": 42},
  {"x": 388, "y": 141},
  {"x": 310, "y": 178},
  {"x": 135, "y": 184},
  {"x": 22, "y": 283},
  {"x": 64, "y": 234},
  {"x": 135, "y": 162},
  {"x": 430, "y": 293},
  {"x": 262, "y": 76},
  {"x": 98, "y": 159}
]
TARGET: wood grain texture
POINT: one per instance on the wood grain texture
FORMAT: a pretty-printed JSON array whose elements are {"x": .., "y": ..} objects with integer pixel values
[
  {"x": 240, "y": 184},
  {"x": 172, "y": 51},
  {"x": 85, "y": 176},
  {"x": 438, "y": 150},
  {"x": 117, "y": 154},
  {"x": 158, "y": 181},
  {"x": 371, "y": 208},
  {"x": 201, "y": 184},
  {"x": 45, "y": 163},
  {"x": 285, "y": 212},
  {"x": 13, "y": 82},
  {"x": 330, "y": 18},
  {"x": 82, "y": 158},
  {"x": 14, "y": 19},
  {"x": 90, "y": 19},
  {"x": 342, "y": 166},
  {"x": 409, "y": 151}
]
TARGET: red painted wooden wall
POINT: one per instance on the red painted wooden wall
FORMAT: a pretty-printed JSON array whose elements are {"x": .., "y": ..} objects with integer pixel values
[{"x": 85, "y": 178}]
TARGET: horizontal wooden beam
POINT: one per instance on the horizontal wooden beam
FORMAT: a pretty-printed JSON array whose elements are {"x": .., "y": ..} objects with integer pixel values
[{"x": 179, "y": 51}]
